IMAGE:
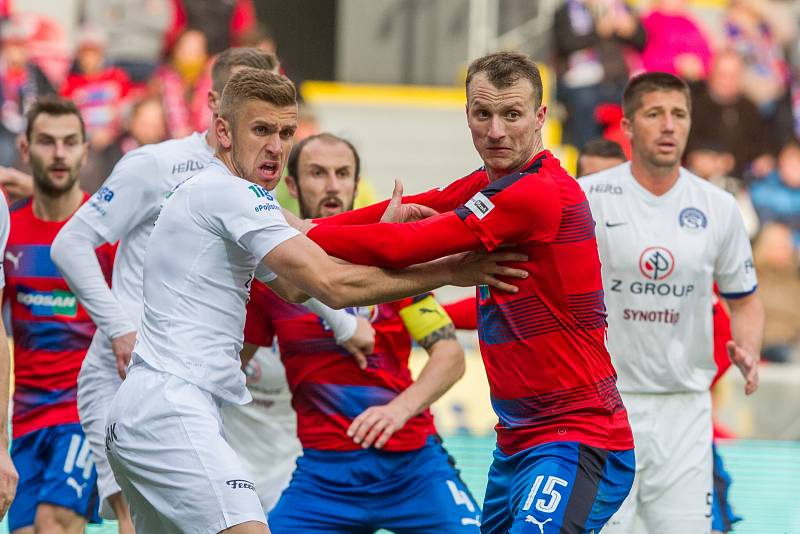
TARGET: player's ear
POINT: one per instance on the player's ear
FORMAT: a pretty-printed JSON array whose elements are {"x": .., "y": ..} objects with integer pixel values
[
  {"x": 541, "y": 114},
  {"x": 222, "y": 129},
  {"x": 291, "y": 185},
  {"x": 627, "y": 128},
  {"x": 24, "y": 148}
]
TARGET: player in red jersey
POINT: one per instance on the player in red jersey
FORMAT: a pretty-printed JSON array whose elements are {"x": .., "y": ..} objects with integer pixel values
[
  {"x": 52, "y": 332},
  {"x": 565, "y": 449},
  {"x": 371, "y": 458}
]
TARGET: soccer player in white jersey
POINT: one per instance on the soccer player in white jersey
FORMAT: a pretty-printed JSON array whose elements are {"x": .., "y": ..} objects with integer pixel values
[
  {"x": 665, "y": 236},
  {"x": 216, "y": 231},
  {"x": 8, "y": 474},
  {"x": 124, "y": 210}
]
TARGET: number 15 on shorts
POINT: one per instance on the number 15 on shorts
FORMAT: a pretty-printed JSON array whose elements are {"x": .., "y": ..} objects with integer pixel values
[{"x": 550, "y": 492}]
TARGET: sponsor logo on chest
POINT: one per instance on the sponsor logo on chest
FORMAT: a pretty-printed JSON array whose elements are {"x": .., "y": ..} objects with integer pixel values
[{"x": 49, "y": 303}]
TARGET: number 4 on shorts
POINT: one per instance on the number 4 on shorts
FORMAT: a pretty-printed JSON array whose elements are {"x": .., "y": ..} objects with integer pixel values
[
  {"x": 548, "y": 490},
  {"x": 459, "y": 496}
]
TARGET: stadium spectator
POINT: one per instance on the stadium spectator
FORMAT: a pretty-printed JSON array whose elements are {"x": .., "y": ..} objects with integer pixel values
[
  {"x": 99, "y": 91},
  {"x": 675, "y": 42},
  {"x": 665, "y": 236},
  {"x": 598, "y": 155},
  {"x": 776, "y": 197},
  {"x": 724, "y": 116},
  {"x": 779, "y": 282},
  {"x": 752, "y": 33},
  {"x": 222, "y": 23},
  {"x": 176, "y": 80},
  {"x": 710, "y": 162},
  {"x": 595, "y": 41},
  {"x": 146, "y": 125},
  {"x": 21, "y": 83},
  {"x": 8, "y": 473},
  {"x": 135, "y": 31},
  {"x": 52, "y": 332}
]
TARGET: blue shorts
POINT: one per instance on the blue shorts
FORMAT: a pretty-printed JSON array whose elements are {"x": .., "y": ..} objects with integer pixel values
[
  {"x": 563, "y": 487},
  {"x": 362, "y": 491},
  {"x": 55, "y": 467},
  {"x": 722, "y": 516}
]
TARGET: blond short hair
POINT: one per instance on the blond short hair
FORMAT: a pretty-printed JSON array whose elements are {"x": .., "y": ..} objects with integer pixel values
[{"x": 251, "y": 84}]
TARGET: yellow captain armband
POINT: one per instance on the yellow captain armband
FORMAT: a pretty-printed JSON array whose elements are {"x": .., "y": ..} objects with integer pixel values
[{"x": 424, "y": 317}]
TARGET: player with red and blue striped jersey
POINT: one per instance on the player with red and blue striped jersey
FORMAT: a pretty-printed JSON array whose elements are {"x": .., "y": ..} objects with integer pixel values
[
  {"x": 565, "y": 449},
  {"x": 371, "y": 458},
  {"x": 52, "y": 333}
]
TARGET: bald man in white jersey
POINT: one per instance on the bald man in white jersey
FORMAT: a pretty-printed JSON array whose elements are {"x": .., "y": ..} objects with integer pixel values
[
  {"x": 124, "y": 210},
  {"x": 665, "y": 237},
  {"x": 216, "y": 232}
]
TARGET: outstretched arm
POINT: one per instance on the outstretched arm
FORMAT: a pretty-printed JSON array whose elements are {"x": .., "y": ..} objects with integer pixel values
[
  {"x": 397, "y": 245},
  {"x": 301, "y": 263}
]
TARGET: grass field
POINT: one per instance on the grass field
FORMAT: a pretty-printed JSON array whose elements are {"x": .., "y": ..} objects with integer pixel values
[{"x": 765, "y": 491}]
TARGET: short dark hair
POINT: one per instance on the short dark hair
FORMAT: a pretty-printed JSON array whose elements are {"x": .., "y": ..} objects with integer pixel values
[
  {"x": 294, "y": 155},
  {"x": 650, "y": 82},
  {"x": 252, "y": 84},
  {"x": 52, "y": 105},
  {"x": 505, "y": 68},
  {"x": 253, "y": 58},
  {"x": 603, "y": 148}
]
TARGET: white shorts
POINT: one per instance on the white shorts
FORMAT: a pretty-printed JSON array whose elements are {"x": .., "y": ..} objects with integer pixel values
[
  {"x": 165, "y": 444},
  {"x": 97, "y": 385},
  {"x": 671, "y": 493}
]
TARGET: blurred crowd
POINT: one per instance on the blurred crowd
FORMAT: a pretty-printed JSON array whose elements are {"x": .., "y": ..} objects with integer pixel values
[
  {"x": 745, "y": 80},
  {"x": 139, "y": 72}
]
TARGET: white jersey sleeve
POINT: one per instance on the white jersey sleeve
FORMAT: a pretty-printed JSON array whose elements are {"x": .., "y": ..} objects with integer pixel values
[
  {"x": 734, "y": 271},
  {"x": 248, "y": 215},
  {"x": 73, "y": 252},
  {"x": 130, "y": 195},
  {"x": 5, "y": 228}
]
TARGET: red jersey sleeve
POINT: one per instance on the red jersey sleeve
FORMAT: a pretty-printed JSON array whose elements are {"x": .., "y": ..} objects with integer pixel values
[
  {"x": 464, "y": 313},
  {"x": 516, "y": 208},
  {"x": 441, "y": 199},
  {"x": 258, "y": 327},
  {"x": 396, "y": 245}
]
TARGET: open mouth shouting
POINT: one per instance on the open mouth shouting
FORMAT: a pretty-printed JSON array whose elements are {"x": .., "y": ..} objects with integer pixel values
[
  {"x": 331, "y": 206},
  {"x": 269, "y": 170}
]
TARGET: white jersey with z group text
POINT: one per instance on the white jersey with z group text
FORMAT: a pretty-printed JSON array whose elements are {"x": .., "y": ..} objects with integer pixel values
[
  {"x": 661, "y": 256},
  {"x": 210, "y": 237}
]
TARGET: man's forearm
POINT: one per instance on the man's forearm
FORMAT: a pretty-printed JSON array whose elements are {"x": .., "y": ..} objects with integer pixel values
[
  {"x": 397, "y": 245},
  {"x": 5, "y": 379},
  {"x": 444, "y": 368},
  {"x": 73, "y": 252},
  {"x": 747, "y": 323},
  {"x": 362, "y": 285}
]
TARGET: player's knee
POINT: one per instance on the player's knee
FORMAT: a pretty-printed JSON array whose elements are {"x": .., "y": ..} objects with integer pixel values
[{"x": 53, "y": 519}]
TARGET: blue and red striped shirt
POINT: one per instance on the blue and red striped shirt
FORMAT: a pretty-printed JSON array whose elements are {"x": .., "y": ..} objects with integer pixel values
[
  {"x": 328, "y": 388},
  {"x": 52, "y": 331},
  {"x": 550, "y": 375}
]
